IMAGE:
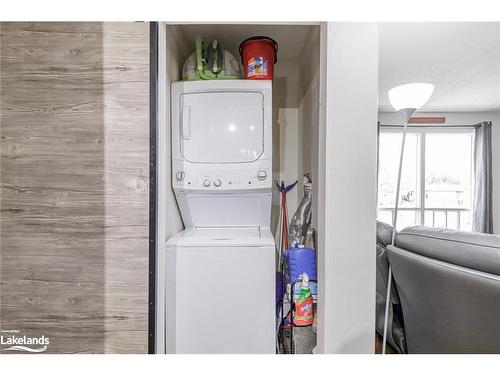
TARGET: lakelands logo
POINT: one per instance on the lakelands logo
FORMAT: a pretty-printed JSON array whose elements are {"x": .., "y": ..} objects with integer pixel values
[{"x": 12, "y": 340}]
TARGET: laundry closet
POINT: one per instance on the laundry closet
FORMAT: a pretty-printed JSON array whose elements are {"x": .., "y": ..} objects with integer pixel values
[{"x": 199, "y": 310}]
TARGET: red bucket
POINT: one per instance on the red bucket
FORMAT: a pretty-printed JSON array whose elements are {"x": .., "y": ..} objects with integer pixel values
[{"x": 258, "y": 56}]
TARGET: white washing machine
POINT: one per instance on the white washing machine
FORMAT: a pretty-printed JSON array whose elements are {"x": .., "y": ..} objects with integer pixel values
[{"x": 220, "y": 280}]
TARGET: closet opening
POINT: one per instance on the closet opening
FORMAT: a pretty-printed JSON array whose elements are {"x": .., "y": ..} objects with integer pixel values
[{"x": 208, "y": 191}]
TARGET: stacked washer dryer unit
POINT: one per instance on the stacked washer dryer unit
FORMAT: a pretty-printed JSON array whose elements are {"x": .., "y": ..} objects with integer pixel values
[{"x": 221, "y": 268}]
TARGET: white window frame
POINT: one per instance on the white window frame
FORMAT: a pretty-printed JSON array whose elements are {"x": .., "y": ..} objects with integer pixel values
[{"x": 422, "y": 131}]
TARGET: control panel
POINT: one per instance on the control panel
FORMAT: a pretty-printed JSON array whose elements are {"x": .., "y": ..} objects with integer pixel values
[{"x": 223, "y": 180}]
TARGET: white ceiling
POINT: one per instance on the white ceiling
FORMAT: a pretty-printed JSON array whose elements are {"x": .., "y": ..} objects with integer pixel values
[
  {"x": 462, "y": 60},
  {"x": 290, "y": 38}
]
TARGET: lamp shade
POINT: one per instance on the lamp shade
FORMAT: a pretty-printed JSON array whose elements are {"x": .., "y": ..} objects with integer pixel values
[{"x": 410, "y": 95}]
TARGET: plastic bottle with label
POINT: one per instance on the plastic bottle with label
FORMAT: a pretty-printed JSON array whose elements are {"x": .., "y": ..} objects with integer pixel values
[{"x": 304, "y": 314}]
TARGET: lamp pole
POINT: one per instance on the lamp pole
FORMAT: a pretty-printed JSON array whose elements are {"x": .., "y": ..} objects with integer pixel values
[
  {"x": 405, "y": 99},
  {"x": 406, "y": 114}
]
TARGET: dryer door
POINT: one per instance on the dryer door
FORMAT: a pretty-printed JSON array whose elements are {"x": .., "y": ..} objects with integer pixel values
[{"x": 221, "y": 127}]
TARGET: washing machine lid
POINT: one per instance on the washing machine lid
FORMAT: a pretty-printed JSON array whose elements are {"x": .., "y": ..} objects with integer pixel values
[
  {"x": 221, "y": 126},
  {"x": 217, "y": 237}
]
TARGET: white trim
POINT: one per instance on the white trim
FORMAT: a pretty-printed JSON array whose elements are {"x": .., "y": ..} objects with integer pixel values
[
  {"x": 283, "y": 23},
  {"x": 321, "y": 184},
  {"x": 422, "y": 140}
]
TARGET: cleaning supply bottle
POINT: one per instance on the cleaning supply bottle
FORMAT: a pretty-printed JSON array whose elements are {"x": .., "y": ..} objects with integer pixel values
[
  {"x": 300, "y": 260},
  {"x": 304, "y": 306}
]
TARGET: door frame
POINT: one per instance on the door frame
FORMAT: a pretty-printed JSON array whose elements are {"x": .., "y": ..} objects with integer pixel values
[{"x": 153, "y": 122}]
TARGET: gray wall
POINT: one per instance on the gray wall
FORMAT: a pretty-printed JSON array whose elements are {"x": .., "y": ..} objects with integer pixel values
[{"x": 74, "y": 184}]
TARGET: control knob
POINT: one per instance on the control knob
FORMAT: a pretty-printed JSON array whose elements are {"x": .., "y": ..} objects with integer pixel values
[
  {"x": 179, "y": 176},
  {"x": 261, "y": 175},
  {"x": 206, "y": 182},
  {"x": 217, "y": 182}
]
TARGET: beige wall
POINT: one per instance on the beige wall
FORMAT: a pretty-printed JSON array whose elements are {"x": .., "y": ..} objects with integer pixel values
[
  {"x": 309, "y": 116},
  {"x": 74, "y": 184},
  {"x": 288, "y": 122},
  {"x": 285, "y": 133},
  {"x": 296, "y": 103}
]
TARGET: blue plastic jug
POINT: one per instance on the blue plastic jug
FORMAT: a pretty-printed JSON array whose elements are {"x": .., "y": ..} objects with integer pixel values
[{"x": 301, "y": 260}]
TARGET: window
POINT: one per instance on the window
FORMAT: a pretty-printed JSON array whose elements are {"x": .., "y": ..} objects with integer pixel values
[{"x": 436, "y": 181}]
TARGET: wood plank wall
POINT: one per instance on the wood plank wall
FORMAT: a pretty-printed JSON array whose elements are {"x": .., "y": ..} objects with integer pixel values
[{"x": 74, "y": 184}]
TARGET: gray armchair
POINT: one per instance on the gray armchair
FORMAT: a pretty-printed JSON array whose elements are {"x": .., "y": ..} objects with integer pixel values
[
  {"x": 395, "y": 328},
  {"x": 448, "y": 283}
]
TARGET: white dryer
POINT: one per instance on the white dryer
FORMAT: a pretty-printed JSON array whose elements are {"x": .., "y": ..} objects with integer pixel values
[{"x": 220, "y": 281}]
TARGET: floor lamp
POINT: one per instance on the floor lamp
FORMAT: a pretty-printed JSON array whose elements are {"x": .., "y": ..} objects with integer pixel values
[{"x": 406, "y": 99}]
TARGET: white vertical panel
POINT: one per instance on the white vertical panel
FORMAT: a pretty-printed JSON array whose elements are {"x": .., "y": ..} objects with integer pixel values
[
  {"x": 171, "y": 56},
  {"x": 347, "y": 181}
]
